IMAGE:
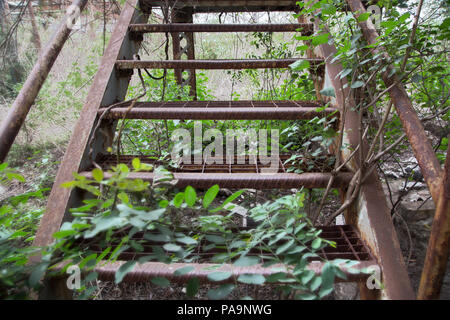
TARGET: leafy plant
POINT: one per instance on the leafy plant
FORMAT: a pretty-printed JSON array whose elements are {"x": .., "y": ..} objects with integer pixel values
[{"x": 284, "y": 239}]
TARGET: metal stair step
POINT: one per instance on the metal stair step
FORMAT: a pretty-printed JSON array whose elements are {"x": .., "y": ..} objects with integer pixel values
[
  {"x": 239, "y": 172},
  {"x": 304, "y": 28},
  {"x": 217, "y": 64},
  {"x": 221, "y": 110},
  {"x": 205, "y": 6},
  {"x": 349, "y": 246},
  {"x": 246, "y": 180},
  {"x": 149, "y": 270}
]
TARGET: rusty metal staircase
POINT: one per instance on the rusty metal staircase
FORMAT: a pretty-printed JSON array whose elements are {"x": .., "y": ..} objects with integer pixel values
[{"x": 368, "y": 237}]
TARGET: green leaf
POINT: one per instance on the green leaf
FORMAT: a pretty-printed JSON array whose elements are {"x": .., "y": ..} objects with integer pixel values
[
  {"x": 123, "y": 197},
  {"x": 316, "y": 243},
  {"x": 37, "y": 274},
  {"x": 178, "y": 199},
  {"x": 103, "y": 254},
  {"x": 227, "y": 201},
  {"x": 329, "y": 92},
  {"x": 163, "y": 203},
  {"x": 123, "y": 270},
  {"x": 300, "y": 65},
  {"x": 320, "y": 39},
  {"x": 104, "y": 223},
  {"x": 328, "y": 9},
  {"x": 285, "y": 246},
  {"x": 3, "y": 166},
  {"x": 161, "y": 282},
  {"x": 88, "y": 259},
  {"x": 210, "y": 195},
  {"x": 327, "y": 276},
  {"x": 157, "y": 237},
  {"x": 248, "y": 278},
  {"x": 306, "y": 296},
  {"x": 357, "y": 84},
  {"x": 219, "y": 276},
  {"x": 183, "y": 271},
  {"x": 345, "y": 73},
  {"x": 97, "y": 174},
  {"x": 315, "y": 284},
  {"x": 220, "y": 293},
  {"x": 192, "y": 287},
  {"x": 246, "y": 261},
  {"x": 307, "y": 276},
  {"x": 190, "y": 196},
  {"x": 363, "y": 16},
  {"x": 186, "y": 240},
  {"x": 215, "y": 239},
  {"x": 172, "y": 247},
  {"x": 63, "y": 234},
  {"x": 91, "y": 277},
  {"x": 136, "y": 164},
  {"x": 279, "y": 236},
  {"x": 15, "y": 176},
  {"x": 277, "y": 277}
]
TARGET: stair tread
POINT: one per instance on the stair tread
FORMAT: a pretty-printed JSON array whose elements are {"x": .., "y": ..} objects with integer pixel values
[
  {"x": 204, "y": 6},
  {"x": 349, "y": 246},
  {"x": 146, "y": 271},
  {"x": 305, "y": 28},
  {"x": 221, "y": 110},
  {"x": 216, "y": 64},
  {"x": 253, "y": 175}
]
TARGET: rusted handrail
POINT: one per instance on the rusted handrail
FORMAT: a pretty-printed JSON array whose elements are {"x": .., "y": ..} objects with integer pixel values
[
  {"x": 371, "y": 211},
  {"x": 11, "y": 125},
  {"x": 420, "y": 144}
]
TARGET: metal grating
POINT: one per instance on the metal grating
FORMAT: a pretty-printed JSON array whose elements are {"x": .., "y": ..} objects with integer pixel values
[
  {"x": 305, "y": 28},
  {"x": 349, "y": 246},
  {"x": 251, "y": 164},
  {"x": 217, "y": 64},
  {"x": 230, "y": 104}
]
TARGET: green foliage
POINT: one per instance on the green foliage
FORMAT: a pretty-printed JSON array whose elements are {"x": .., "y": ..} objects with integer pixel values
[
  {"x": 425, "y": 74},
  {"x": 121, "y": 208},
  {"x": 18, "y": 225},
  {"x": 284, "y": 235}
]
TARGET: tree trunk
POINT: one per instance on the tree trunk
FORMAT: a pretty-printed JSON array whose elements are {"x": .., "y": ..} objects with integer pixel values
[
  {"x": 5, "y": 19},
  {"x": 34, "y": 28}
]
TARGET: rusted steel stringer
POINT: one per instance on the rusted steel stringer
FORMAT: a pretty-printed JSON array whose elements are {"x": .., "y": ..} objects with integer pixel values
[
  {"x": 106, "y": 89},
  {"x": 420, "y": 144},
  {"x": 435, "y": 265},
  {"x": 188, "y": 51},
  {"x": 370, "y": 214}
]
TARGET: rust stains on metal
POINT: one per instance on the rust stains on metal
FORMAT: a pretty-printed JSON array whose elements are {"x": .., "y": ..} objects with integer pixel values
[
  {"x": 374, "y": 214},
  {"x": 293, "y": 113},
  {"x": 247, "y": 180},
  {"x": 420, "y": 144},
  {"x": 305, "y": 28},
  {"x": 212, "y": 64},
  {"x": 15, "y": 118},
  {"x": 204, "y": 6},
  {"x": 186, "y": 50},
  {"x": 146, "y": 271},
  {"x": 439, "y": 244},
  {"x": 275, "y": 104},
  {"x": 213, "y": 110},
  {"x": 105, "y": 89},
  {"x": 243, "y": 164},
  {"x": 349, "y": 245}
]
